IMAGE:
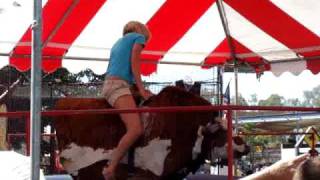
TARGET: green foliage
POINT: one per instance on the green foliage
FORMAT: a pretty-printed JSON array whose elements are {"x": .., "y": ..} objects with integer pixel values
[
  {"x": 273, "y": 100},
  {"x": 293, "y": 102},
  {"x": 89, "y": 76},
  {"x": 241, "y": 100},
  {"x": 8, "y": 75},
  {"x": 262, "y": 141},
  {"x": 253, "y": 99},
  {"x": 312, "y": 98},
  {"x": 83, "y": 84},
  {"x": 61, "y": 75},
  {"x": 248, "y": 127}
]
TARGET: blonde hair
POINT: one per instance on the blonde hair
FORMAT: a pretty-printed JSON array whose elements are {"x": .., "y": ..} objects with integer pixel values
[{"x": 137, "y": 27}]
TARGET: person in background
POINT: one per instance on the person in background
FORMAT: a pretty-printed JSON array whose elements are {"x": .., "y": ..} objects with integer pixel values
[{"x": 123, "y": 71}]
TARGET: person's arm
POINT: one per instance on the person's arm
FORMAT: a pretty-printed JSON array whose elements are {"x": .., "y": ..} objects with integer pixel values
[
  {"x": 282, "y": 170},
  {"x": 135, "y": 67},
  {"x": 264, "y": 174}
]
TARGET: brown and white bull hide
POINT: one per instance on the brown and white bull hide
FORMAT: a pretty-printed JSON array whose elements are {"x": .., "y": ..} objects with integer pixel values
[{"x": 170, "y": 141}]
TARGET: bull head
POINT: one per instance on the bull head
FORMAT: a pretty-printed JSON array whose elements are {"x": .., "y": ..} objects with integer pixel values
[{"x": 215, "y": 141}]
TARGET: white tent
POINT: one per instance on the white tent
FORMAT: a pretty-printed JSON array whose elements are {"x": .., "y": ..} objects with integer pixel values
[{"x": 276, "y": 35}]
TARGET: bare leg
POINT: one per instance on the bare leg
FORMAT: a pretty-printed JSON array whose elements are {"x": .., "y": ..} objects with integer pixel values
[{"x": 134, "y": 131}]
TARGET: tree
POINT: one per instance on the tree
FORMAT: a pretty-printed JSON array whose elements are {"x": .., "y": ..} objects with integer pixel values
[
  {"x": 57, "y": 84},
  {"x": 312, "y": 98},
  {"x": 273, "y": 100},
  {"x": 241, "y": 100},
  {"x": 8, "y": 75},
  {"x": 253, "y": 99},
  {"x": 260, "y": 140},
  {"x": 259, "y": 144},
  {"x": 85, "y": 83},
  {"x": 293, "y": 102}
]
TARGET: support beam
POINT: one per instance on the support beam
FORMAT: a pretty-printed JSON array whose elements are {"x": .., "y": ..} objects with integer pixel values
[
  {"x": 60, "y": 23},
  {"x": 232, "y": 53},
  {"x": 35, "y": 102}
]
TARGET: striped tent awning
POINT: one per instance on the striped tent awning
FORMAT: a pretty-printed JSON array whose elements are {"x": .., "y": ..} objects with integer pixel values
[{"x": 266, "y": 35}]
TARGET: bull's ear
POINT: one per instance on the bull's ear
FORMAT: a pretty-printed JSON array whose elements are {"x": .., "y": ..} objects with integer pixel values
[{"x": 223, "y": 122}]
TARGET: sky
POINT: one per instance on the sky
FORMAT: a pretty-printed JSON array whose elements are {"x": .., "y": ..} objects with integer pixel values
[{"x": 287, "y": 85}]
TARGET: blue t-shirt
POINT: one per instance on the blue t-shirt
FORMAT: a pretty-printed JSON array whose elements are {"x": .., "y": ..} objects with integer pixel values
[{"x": 120, "y": 57}]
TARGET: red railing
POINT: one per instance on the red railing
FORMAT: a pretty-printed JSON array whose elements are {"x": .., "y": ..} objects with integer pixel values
[{"x": 171, "y": 109}]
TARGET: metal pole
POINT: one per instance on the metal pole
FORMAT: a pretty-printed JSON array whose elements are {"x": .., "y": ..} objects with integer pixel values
[
  {"x": 237, "y": 98},
  {"x": 35, "y": 102},
  {"x": 217, "y": 96},
  {"x": 297, "y": 136},
  {"x": 226, "y": 29},
  {"x": 221, "y": 71},
  {"x": 219, "y": 86},
  {"x": 232, "y": 53},
  {"x": 220, "y": 77},
  {"x": 230, "y": 148}
]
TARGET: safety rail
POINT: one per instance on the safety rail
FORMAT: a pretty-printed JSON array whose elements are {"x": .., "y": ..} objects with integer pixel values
[{"x": 171, "y": 109}]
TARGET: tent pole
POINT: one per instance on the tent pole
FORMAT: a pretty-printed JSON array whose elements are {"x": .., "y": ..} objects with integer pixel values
[
  {"x": 71, "y": 58},
  {"x": 275, "y": 61},
  {"x": 232, "y": 53},
  {"x": 219, "y": 88},
  {"x": 221, "y": 72},
  {"x": 220, "y": 78},
  {"x": 234, "y": 58},
  {"x": 226, "y": 29},
  {"x": 35, "y": 97},
  {"x": 236, "y": 82}
]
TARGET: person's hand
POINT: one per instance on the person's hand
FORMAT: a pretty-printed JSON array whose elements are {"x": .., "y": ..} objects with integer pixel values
[
  {"x": 146, "y": 94},
  {"x": 107, "y": 173},
  {"x": 283, "y": 169}
]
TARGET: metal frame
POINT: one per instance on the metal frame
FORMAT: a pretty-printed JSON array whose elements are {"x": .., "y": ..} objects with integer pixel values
[
  {"x": 312, "y": 58},
  {"x": 35, "y": 99},
  {"x": 56, "y": 28},
  {"x": 107, "y": 59},
  {"x": 232, "y": 52},
  {"x": 35, "y": 106},
  {"x": 174, "y": 109}
]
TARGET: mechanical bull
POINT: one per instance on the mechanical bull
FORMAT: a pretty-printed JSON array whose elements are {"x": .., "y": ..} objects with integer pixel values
[{"x": 173, "y": 144}]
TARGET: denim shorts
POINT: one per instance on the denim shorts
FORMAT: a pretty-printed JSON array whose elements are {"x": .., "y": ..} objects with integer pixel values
[{"x": 113, "y": 89}]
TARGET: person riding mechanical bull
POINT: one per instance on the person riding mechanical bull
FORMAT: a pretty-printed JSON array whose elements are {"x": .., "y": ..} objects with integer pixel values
[
  {"x": 91, "y": 147},
  {"x": 124, "y": 70}
]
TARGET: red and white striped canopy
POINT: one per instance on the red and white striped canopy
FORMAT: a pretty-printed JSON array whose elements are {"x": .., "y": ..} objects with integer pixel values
[{"x": 275, "y": 35}]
